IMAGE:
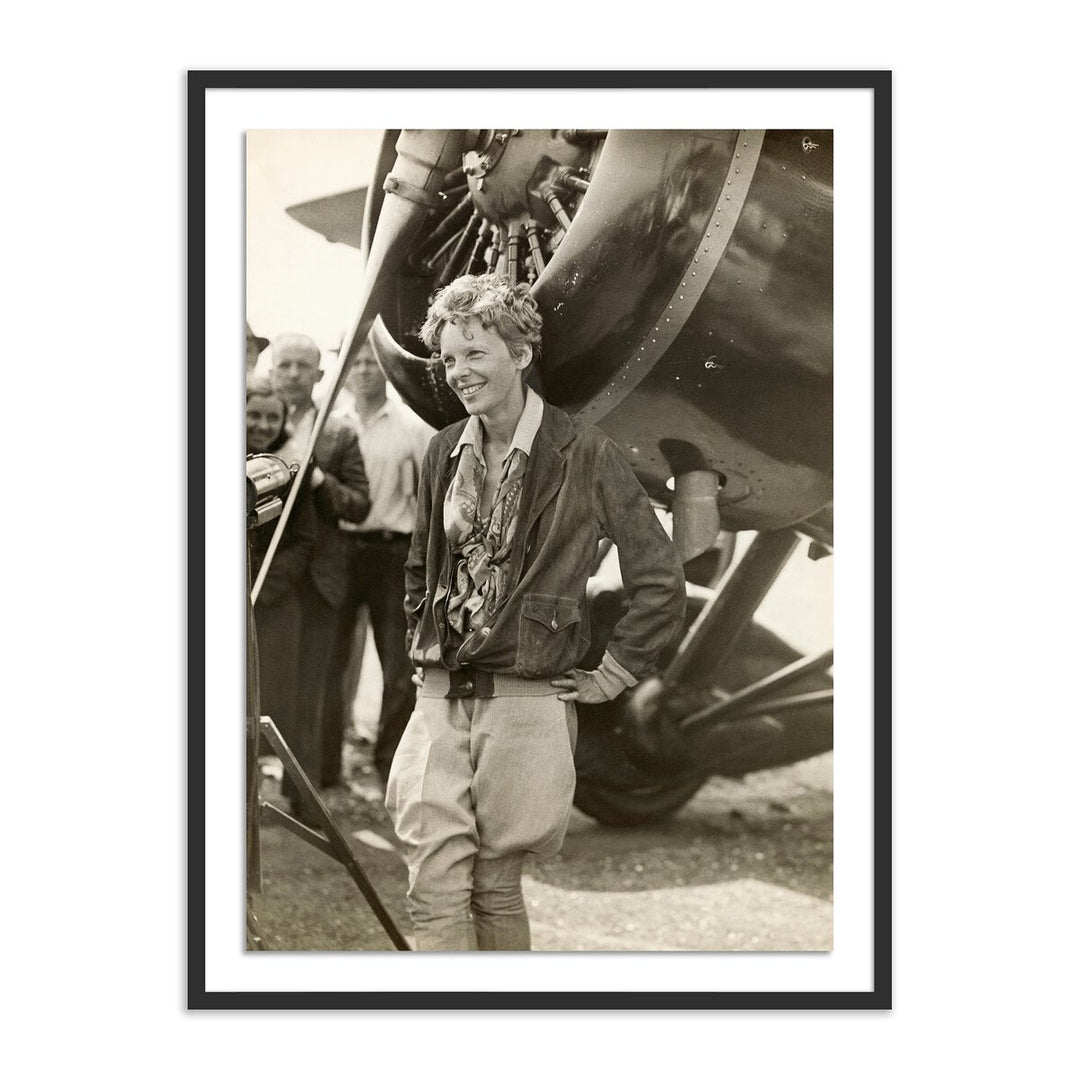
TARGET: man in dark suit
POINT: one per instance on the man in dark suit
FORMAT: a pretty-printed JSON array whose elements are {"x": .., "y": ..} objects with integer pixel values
[{"x": 340, "y": 489}]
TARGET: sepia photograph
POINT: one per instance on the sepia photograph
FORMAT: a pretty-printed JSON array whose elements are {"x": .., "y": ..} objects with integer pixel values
[
  {"x": 539, "y": 539},
  {"x": 607, "y": 654}
]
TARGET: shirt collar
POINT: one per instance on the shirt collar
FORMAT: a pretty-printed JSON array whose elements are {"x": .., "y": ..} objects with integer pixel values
[
  {"x": 297, "y": 414},
  {"x": 380, "y": 412},
  {"x": 524, "y": 434}
]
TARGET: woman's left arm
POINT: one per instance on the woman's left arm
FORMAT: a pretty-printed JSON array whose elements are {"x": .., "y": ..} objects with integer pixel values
[{"x": 651, "y": 572}]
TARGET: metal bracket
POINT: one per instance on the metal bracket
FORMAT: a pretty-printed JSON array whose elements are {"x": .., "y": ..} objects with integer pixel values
[
  {"x": 392, "y": 185},
  {"x": 333, "y": 843},
  {"x": 478, "y": 165}
]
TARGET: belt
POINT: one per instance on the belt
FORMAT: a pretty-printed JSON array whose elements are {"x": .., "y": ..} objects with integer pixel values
[
  {"x": 471, "y": 683},
  {"x": 378, "y": 536}
]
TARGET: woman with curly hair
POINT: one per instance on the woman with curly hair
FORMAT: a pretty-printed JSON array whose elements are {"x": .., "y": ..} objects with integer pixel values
[
  {"x": 513, "y": 503},
  {"x": 277, "y": 609}
]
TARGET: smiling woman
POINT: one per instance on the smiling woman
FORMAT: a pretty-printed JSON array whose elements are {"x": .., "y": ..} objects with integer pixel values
[
  {"x": 513, "y": 503},
  {"x": 485, "y": 373},
  {"x": 264, "y": 414},
  {"x": 277, "y": 609}
]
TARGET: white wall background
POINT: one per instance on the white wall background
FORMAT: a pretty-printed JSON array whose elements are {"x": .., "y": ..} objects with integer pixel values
[{"x": 984, "y": 391}]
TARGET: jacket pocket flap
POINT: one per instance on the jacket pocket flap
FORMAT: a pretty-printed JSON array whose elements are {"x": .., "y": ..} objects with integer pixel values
[{"x": 554, "y": 612}]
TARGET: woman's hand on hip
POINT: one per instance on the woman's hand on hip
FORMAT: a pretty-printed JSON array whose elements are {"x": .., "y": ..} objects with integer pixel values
[{"x": 578, "y": 685}]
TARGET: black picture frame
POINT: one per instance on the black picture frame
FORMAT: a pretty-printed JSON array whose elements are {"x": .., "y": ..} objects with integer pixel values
[{"x": 878, "y": 82}]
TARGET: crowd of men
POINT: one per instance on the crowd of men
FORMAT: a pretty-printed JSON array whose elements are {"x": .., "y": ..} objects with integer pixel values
[{"x": 362, "y": 484}]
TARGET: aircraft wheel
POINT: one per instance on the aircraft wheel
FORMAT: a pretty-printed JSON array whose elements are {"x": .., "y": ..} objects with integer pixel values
[
  {"x": 616, "y": 788},
  {"x": 639, "y": 806},
  {"x": 611, "y": 786}
]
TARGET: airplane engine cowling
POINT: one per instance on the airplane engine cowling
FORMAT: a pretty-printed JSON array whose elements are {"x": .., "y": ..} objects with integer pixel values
[{"x": 685, "y": 278}]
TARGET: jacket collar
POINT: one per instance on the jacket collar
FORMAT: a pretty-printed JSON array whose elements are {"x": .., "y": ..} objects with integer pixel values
[
  {"x": 557, "y": 426},
  {"x": 547, "y": 462},
  {"x": 556, "y": 431}
]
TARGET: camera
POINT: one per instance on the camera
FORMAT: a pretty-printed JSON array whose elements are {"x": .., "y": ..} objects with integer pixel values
[{"x": 267, "y": 482}]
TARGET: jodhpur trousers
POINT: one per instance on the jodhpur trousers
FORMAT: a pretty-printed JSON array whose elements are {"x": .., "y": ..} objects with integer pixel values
[{"x": 477, "y": 784}]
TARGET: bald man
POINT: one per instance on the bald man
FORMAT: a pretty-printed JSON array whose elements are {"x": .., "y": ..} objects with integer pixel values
[{"x": 340, "y": 489}]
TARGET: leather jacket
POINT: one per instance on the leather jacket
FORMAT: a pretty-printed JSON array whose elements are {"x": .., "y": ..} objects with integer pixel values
[{"x": 578, "y": 489}]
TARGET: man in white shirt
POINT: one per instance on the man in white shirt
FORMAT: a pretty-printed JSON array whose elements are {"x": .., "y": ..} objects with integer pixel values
[{"x": 393, "y": 441}]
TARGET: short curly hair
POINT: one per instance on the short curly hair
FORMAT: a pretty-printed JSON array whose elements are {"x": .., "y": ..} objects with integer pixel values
[{"x": 508, "y": 310}]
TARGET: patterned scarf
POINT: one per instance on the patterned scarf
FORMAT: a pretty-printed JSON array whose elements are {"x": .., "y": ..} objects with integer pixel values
[{"x": 480, "y": 549}]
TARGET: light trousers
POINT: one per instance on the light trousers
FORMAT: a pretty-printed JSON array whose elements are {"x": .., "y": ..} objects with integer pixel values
[{"x": 476, "y": 785}]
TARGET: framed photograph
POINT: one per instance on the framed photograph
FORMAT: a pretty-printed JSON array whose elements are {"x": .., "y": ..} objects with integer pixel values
[{"x": 584, "y": 418}]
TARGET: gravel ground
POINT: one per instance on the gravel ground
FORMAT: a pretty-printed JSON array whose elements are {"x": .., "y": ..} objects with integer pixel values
[{"x": 745, "y": 865}]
